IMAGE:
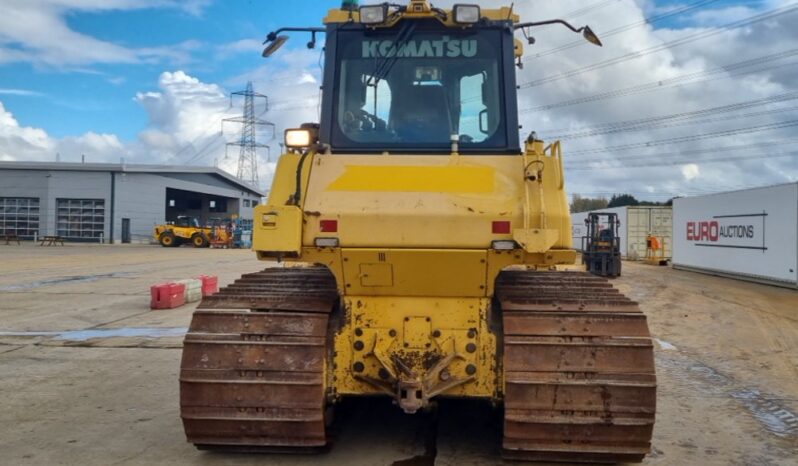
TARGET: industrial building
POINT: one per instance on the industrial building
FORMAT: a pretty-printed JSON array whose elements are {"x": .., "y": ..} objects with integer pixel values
[
  {"x": 748, "y": 234},
  {"x": 637, "y": 223},
  {"x": 114, "y": 202}
]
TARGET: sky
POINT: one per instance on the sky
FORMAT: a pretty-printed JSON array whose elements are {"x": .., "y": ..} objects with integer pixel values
[{"x": 686, "y": 96}]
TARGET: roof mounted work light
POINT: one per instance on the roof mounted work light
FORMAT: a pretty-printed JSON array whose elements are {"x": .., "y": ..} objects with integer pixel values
[
  {"x": 373, "y": 14},
  {"x": 303, "y": 137},
  {"x": 466, "y": 14},
  {"x": 297, "y": 138}
]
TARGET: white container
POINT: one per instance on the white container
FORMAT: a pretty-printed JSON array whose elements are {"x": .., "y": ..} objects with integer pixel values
[
  {"x": 637, "y": 222},
  {"x": 750, "y": 234}
]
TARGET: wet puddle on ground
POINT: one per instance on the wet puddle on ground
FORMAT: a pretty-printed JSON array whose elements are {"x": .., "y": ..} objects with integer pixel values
[
  {"x": 62, "y": 280},
  {"x": 90, "y": 334}
]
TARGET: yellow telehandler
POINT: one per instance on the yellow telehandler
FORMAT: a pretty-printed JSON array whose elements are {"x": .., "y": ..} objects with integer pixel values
[{"x": 181, "y": 231}]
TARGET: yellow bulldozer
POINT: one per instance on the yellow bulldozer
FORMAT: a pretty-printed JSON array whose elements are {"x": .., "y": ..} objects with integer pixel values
[{"x": 420, "y": 250}]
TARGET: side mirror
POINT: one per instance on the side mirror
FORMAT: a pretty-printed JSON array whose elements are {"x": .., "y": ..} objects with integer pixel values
[
  {"x": 275, "y": 45},
  {"x": 591, "y": 36}
]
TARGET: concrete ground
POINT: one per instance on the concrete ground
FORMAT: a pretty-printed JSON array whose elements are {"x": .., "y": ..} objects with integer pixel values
[{"x": 88, "y": 374}]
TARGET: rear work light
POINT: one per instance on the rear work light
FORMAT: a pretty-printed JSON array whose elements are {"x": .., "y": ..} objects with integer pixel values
[
  {"x": 501, "y": 228},
  {"x": 466, "y": 14},
  {"x": 503, "y": 245},
  {"x": 373, "y": 14},
  {"x": 326, "y": 242},
  {"x": 328, "y": 226}
]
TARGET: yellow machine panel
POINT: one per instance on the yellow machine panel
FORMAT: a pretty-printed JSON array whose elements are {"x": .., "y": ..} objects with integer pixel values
[
  {"x": 414, "y": 272},
  {"x": 416, "y": 179},
  {"x": 444, "y": 345},
  {"x": 279, "y": 230},
  {"x": 376, "y": 197}
]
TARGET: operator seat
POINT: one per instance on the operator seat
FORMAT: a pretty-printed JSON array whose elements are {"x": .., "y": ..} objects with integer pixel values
[{"x": 422, "y": 115}]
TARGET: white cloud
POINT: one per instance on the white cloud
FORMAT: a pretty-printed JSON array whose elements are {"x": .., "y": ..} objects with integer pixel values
[
  {"x": 690, "y": 171},
  {"x": 22, "y": 143},
  {"x": 19, "y": 142},
  {"x": 36, "y": 31},
  {"x": 185, "y": 118},
  {"x": 184, "y": 112},
  {"x": 21, "y": 92},
  {"x": 719, "y": 17},
  {"x": 716, "y": 51}
]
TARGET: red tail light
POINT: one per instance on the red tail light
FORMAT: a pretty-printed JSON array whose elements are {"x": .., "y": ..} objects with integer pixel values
[
  {"x": 501, "y": 228},
  {"x": 328, "y": 226}
]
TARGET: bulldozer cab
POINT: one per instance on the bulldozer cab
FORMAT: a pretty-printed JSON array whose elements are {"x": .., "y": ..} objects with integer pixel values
[{"x": 419, "y": 86}]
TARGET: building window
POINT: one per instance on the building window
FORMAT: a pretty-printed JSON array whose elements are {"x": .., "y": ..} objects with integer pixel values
[
  {"x": 218, "y": 206},
  {"x": 80, "y": 219},
  {"x": 254, "y": 203},
  {"x": 247, "y": 203},
  {"x": 19, "y": 216}
]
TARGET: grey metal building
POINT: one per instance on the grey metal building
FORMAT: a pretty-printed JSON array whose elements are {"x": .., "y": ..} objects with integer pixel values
[{"x": 114, "y": 202}]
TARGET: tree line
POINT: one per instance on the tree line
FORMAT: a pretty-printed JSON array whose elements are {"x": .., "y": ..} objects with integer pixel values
[{"x": 587, "y": 204}]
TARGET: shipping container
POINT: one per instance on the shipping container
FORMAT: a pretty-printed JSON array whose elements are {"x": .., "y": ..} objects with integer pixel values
[
  {"x": 637, "y": 223},
  {"x": 750, "y": 234}
]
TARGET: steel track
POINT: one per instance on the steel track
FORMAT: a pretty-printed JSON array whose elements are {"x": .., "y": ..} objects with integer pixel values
[
  {"x": 576, "y": 354},
  {"x": 579, "y": 372},
  {"x": 252, "y": 381}
]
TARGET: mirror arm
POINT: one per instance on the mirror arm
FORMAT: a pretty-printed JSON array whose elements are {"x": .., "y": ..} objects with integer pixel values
[
  {"x": 273, "y": 35},
  {"x": 544, "y": 23},
  {"x": 588, "y": 33}
]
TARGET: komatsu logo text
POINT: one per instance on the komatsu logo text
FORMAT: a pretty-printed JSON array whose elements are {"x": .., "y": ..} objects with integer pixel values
[{"x": 443, "y": 48}]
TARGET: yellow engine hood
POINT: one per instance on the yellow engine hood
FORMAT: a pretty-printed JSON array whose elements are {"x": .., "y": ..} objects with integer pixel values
[{"x": 414, "y": 201}]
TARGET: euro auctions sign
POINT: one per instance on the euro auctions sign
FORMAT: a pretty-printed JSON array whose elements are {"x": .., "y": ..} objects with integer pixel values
[
  {"x": 743, "y": 231},
  {"x": 751, "y": 233}
]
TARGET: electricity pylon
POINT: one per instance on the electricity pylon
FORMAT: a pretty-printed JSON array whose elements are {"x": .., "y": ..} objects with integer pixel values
[{"x": 248, "y": 156}]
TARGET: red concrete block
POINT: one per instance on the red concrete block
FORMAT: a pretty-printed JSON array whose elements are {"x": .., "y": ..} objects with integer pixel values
[
  {"x": 210, "y": 284},
  {"x": 167, "y": 295}
]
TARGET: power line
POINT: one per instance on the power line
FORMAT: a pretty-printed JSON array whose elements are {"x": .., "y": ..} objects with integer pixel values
[
  {"x": 677, "y": 80},
  {"x": 683, "y": 122},
  {"x": 677, "y": 119},
  {"x": 702, "y": 161},
  {"x": 682, "y": 153},
  {"x": 649, "y": 20},
  {"x": 202, "y": 134},
  {"x": 587, "y": 9},
  {"x": 202, "y": 152},
  {"x": 694, "y": 137},
  {"x": 692, "y": 191},
  {"x": 664, "y": 46}
]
